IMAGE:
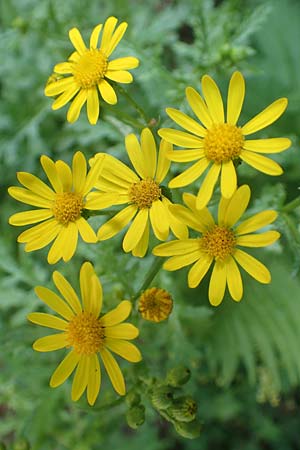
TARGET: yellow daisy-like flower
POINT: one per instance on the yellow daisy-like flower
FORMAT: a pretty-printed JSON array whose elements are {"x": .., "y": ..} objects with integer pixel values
[
  {"x": 218, "y": 143},
  {"x": 219, "y": 244},
  {"x": 155, "y": 304},
  {"x": 142, "y": 192},
  {"x": 89, "y": 69},
  {"x": 87, "y": 334},
  {"x": 60, "y": 208}
]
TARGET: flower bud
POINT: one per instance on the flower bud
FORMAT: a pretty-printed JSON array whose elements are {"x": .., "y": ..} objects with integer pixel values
[
  {"x": 132, "y": 398},
  {"x": 190, "y": 430},
  {"x": 162, "y": 397},
  {"x": 178, "y": 376},
  {"x": 183, "y": 409},
  {"x": 21, "y": 444},
  {"x": 135, "y": 416},
  {"x": 155, "y": 304}
]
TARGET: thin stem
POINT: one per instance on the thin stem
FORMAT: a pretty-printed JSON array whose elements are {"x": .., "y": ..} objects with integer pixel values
[
  {"x": 291, "y": 205},
  {"x": 154, "y": 269},
  {"x": 87, "y": 213},
  {"x": 136, "y": 106}
]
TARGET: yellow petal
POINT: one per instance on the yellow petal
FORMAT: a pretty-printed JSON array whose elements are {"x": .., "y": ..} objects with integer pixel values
[
  {"x": 99, "y": 200},
  {"x": 217, "y": 284},
  {"x": 69, "y": 239},
  {"x": 57, "y": 249},
  {"x": 190, "y": 175},
  {"x": 128, "y": 62},
  {"x": 199, "y": 270},
  {"x": 50, "y": 343},
  {"x": 135, "y": 155},
  {"x": 107, "y": 92},
  {"x": 54, "y": 302},
  {"x": 261, "y": 163},
  {"x": 199, "y": 107},
  {"x": 185, "y": 155},
  {"x": 203, "y": 215},
  {"x": 120, "y": 76},
  {"x": 29, "y": 217},
  {"x": 188, "y": 217},
  {"x": 176, "y": 247},
  {"x": 163, "y": 163},
  {"x": 51, "y": 172},
  {"x": 80, "y": 380},
  {"x": 35, "y": 185},
  {"x": 113, "y": 370},
  {"x": 159, "y": 220},
  {"x": 95, "y": 36},
  {"x": 237, "y": 205},
  {"x": 135, "y": 230},
  {"x": 186, "y": 122},
  {"x": 179, "y": 261},
  {"x": 178, "y": 228},
  {"x": 63, "y": 68},
  {"x": 94, "y": 173},
  {"x": 273, "y": 145},
  {"x": 107, "y": 32},
  {"x": 141, "y": 248},
  {"x": 117, "y": 173},
  {"x": 65, "y": 97},
  {"x": 148, "y": 147},
  {"x": 65, "y": 369},
  {"x": 65, "y": 175},
  {"x": 124, "y": 349},
  {"x": 117, "y": 223},
  {"x": 122, "y": 331},
  {"x": 47, "y": 320},
  {"x": 79, "y": 168},
  {"x": 86, "y": 231},
  {"x": 228, "y": 179},
  {"x": 117, "y": 315},
  {"x": 28, "y": 197},
  {"x": 59, "y": 86},
  {"x": 77, "y": 41},
  {"x": 76, "y": 105},
  {"x": 213, "y": 99},
  {"x": 257, "y": 221},
  {"x": 254, "y": 267},
  {"x": 180, "y": 138},
  {"x": 92, "y": 105},
  {"x": 206, "y": 190},
  {"x": 235, "y": 99},
  {"x": 258, "y": 240},
  {"x": 94, "y": 379},
  {"x": 234, "y": 279},
  {"x": 67, "y": 291},
  {"x": 116, "y": 37},
  {"x": 265, "y": 117},
  {"x": 87, "y": 272}
]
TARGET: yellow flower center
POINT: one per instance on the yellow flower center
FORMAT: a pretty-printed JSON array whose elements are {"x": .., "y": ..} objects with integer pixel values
[
  {"x": 90, "y": 68},
  {"x": 155, "y": 304},
  {"x": 218, "y": 242},
  {"x": 85, "y": 333},
  {"x": 223, "y": 142},
  {"x": 144, "y": 193},
  {"x": 67, "y": 207}
]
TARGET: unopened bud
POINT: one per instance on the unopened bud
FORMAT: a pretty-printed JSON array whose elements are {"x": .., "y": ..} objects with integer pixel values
[
  {"x": 184, "y": 409},
  {"x": 135, "y": 416},
  {"x": 190, "y": 430},
  {"x": 155, "y": 304},
  {"x": 162, "y": 397},
  {"x": 178, "y": 376},
  {"x": 132, "y": 398}
]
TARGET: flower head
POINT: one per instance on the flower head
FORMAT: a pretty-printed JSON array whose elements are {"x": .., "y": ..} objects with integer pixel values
[
  {"x": 155, "y": 304},
  {"x": 142, "y": 191},
  {"x": 218, "y": 143},
  {"x": 88, "y": 335},
  {"x": 219, "y": 244},
  {"x": 60, "y": 207},
  {"x": 88, "y": 70}
]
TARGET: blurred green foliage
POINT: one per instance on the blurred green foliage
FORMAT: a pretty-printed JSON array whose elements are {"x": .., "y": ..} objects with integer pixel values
[{"x": 244, "y": 358}]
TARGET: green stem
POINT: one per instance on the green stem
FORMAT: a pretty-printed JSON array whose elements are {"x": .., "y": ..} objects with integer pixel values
[
  {"x": 291, "y": 206},
  {"x": 136, "y": 106},
  {"x": 292, "y": 227},
  {"x": 87, "y": 213},
  {"x": 154, "y": 269}
]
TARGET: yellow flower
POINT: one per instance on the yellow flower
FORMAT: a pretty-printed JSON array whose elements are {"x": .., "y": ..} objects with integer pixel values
[
  {"x": 61, "y": 208},
  {"x": 88, "y": 70},
  {"x": 219, "y": 244},
  {"x": 142, "y": 192},
  {"x": 217, "y": 143},
  {"x": 87, "y": 334},
  {"x": 155, "y": 304}
]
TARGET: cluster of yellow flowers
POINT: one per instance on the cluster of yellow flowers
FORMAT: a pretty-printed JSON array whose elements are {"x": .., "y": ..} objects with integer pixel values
[{"x": 212, "y": 141}]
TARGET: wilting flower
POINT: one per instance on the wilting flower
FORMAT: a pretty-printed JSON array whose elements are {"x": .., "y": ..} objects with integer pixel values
[
  {"x": 218, "y": 143},
  {"x": 60, "y": 207},
  {"x": 142, "y": 193},
  {"x": 88, "y": 71},
  {"x": 219, "y": 244},
  {"x": 88, "y": 335}
]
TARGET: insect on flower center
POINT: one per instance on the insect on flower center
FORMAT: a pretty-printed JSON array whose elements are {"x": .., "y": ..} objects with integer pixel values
[
  {"x": 155, "y": 304},
  {"x": 218, "y": 242},
  {"x": 85, "y": 333},
  {"x": 90, "y": 68},
  {"x": 223, "y": 142},
  {"x": 67, "y": 207},
  {"x": 144, "y": 193}
]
